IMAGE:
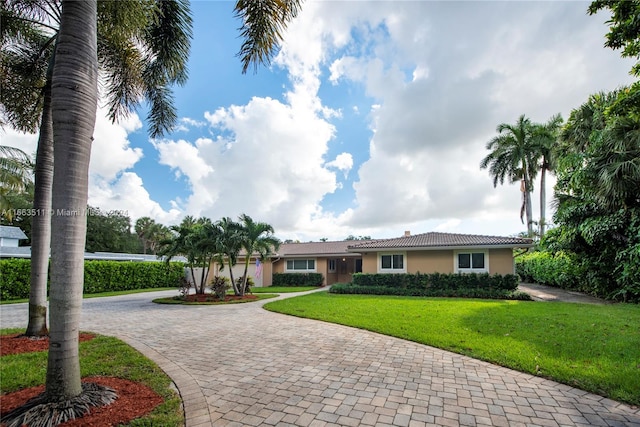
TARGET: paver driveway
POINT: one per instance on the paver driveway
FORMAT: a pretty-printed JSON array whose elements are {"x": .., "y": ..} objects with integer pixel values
[{"x": 242, "y": 365}]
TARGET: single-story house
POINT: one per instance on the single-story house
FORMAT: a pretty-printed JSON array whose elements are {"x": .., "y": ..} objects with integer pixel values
[{"x": 425, "y": 253}]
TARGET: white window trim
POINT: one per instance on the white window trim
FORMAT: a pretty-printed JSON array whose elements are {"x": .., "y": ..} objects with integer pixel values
[
  {"x": 392, "y": 270},
  {"x": 335, "y": 265},
  {"x": 286, "y": 265},
  {"x": 471, "y": 270}
]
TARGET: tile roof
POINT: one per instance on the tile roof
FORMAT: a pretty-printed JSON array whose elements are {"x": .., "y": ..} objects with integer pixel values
[
  {"x": 316, "y": 248},
  {"x": 10, "y": 232},
  {"x": 436, "y": 240}
]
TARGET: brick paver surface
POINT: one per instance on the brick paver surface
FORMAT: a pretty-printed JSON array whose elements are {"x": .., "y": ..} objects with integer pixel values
[{"x": 240, "y": 365}]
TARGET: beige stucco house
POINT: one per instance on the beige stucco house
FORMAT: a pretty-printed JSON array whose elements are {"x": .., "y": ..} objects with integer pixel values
[{"x": 424, "y": 253}]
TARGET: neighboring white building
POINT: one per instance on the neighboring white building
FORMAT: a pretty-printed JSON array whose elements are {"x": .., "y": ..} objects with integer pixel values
[{"x": 11, "y": 236}]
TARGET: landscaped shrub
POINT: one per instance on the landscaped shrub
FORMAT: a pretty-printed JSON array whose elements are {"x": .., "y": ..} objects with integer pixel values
[
  {"x": 297, "y": 279},
  {"x": 558, "y": 269},
  {"x": 220, "y": 285},
  {"x": 99, "y": 276},
  {"x": 108, "y": 276},
  {"x": 15, "y": 277},
  {"x": 437, "y": 281}
]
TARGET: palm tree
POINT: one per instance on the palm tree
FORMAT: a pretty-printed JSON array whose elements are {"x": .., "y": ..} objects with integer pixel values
[
  {"x": 142, "y": 49},
  {"x": 230, "y": 245},
  {"x": 545, "y": 138},
  {"x": 256, "y": 237},
  {"x": 512, "y": 156},
  {"x": 74, "y": 98},
  {"x": 74, "y": 102},
  {"x": 15, "y": 175}
]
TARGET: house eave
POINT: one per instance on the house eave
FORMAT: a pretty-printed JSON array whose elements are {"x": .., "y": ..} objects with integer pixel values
[{"x": 442, "y": 248}]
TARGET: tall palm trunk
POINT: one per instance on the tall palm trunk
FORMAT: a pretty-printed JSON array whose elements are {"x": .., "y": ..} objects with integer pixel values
[
  {"x": 74, "y": 101},
  {"x": 543, "y": 198},
  {"x": 41, "y": 221}
]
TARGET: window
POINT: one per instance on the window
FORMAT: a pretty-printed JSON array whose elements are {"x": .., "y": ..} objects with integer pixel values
[
  {"x": 332, "y": 266},
  {"x": 391, "y": 263},
  {"x": 300, "y": 265},
  {"x": 471, "y": 262}
]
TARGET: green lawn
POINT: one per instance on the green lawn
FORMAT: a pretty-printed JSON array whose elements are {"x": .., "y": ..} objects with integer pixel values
[
  {"x": 104, "y": 356},
  {"x": 281, "y": 289},
  {"x": 592, "y": 347}
]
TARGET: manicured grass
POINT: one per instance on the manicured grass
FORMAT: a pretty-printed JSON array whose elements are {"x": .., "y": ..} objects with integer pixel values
[
  {"x": 101, "y": 294},
  {"x": 591, "y": 347},
  {"x": 281, "y": 289},
  {"x": 104, "y": 356}
]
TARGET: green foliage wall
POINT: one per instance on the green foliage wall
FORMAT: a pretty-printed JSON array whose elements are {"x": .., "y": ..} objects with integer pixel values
[
  {"x": 297, "y": 279},
  {"x": 15, "y": 276},
  {"x": 99, "y": 276},
  {"x": 435, "y": 281},
  {"x": 435, "y": 285},
  {"x": 561, "y": 269}
]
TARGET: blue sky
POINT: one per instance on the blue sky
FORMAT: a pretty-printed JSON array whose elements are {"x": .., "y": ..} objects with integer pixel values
[{"x": 371, "y": 120}]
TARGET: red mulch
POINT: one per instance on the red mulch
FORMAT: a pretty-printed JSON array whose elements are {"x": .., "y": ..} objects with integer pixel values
[
  {"x": 18, "y": 343},
  {"x": 134, "y": 399},
  {"x": 213, "y": 298}
]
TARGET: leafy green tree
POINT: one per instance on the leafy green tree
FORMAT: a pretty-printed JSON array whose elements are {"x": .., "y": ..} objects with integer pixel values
[
  {"x": 514, "y": 157},
  {"x": 256, "y": 238},
  {"x": 598, "y": 205},
  {"x": 150, "y": 233},
  {"x": 109, "y": 231},
  {"x": 624, "y": 30}
]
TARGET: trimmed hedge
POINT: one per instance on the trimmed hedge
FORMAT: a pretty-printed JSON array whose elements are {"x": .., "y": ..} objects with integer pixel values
[
  {"x": 434, "y": 285},
  {"x": 297, "y": 279},
  {"x": 438, "y": 281},
  {"x": 15, "y": 277},
  {"x": 561, "y": 269},
  {"x": 109, "y": 276},
  {"x": 99, "y": 276}
]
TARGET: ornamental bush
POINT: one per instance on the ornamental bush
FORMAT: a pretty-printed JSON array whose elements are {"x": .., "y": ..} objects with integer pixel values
[
  {"x": 15, "y": 277},
  {"x": 437, "y": 281},
  {"x": 297, "y": 279},
  {"x": 560, "y": 269}
]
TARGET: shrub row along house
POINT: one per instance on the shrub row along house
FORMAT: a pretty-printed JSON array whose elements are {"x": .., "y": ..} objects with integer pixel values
[{"x": 425, "y": 253}]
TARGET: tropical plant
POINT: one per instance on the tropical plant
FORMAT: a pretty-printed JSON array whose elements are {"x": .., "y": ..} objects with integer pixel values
[
  {"x": 513, "y": 157},
  {"x": 231, "y": 244},
  {"x": 256, "y": 238},
  {"x": 150, "y": 233},
  {"x": 597, "y": 202},
  {"x": 15, "y": 176},
  {"x": 545, "y": 138}
]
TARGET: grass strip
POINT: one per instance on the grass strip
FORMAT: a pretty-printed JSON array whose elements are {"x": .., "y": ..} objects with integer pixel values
[
  {"x": 592, "y": 347},
  {"x": 281, "y": 289}
]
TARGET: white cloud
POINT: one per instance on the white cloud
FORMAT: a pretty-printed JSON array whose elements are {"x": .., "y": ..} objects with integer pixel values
[
  {"x": 110, "y": 151},
  {"x": 342, "y": 162}
]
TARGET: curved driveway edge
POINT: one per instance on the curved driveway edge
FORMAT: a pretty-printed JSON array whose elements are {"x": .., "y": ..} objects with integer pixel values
[{"x": 255, "y": 367}]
